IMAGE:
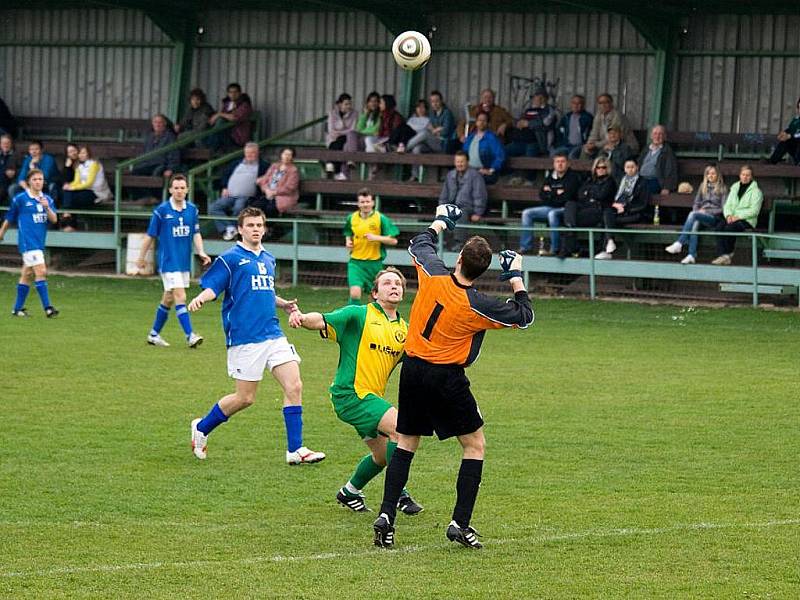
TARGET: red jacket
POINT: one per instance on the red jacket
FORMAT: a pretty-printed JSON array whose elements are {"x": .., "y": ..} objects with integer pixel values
[
  {"x": 390, "y": 120},
  {"x": 242, "y": 132}
]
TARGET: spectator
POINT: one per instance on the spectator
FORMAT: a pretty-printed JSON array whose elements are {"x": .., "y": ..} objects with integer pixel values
[
  {"x": 237, "y": 108},
  {"x": 560, "y": 186},
  {"x": 197, "y": 116},
  {"x": 341, "y": 121},
  {"x": 159, "y": 136},
  {"x": 8, "y": 124},
  {"x": 365, "y": 131},
  {"x": 629, "y": 205},
  {"x": 572, "y": 131},
  {"x": 788, "y": 141},
  {"x": 87, "y": 187},
  {"x": 415, "y": 132},
  {"x": 280, "y": 186},
  {"x": 616, "y": 152},
  {"x": 239, "y": 187},
  {"x": 657, "y": 163},
  {"x": 485, "y": 150},
  {"x": 586, "y": 210},
  {"x": 44, "y": 162},
  {"x": 500, "y": 120},
  {"x": 443, "y": 123},
  {"x": 465, "y": 188},
  {"x": 606, "y": 117},
  {"x": 391, "y": 122},
  {"x": 740, "y": 213},
  {"x": 8, "y": 165},
  {"x": 70, "y": 162},
  {"x": 706, "y": 212},
  {"x": 535, "y": 131}
]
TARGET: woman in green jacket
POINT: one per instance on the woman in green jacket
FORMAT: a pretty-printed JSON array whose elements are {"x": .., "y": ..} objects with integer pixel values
[{"x": 740, "y": 213}]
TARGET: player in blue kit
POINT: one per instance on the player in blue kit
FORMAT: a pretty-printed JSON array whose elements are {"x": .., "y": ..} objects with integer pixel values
[
  {"x": 31, "y": 210},
  {"x": 176, "y": 225},
  {"x": 246, "y": 274}
]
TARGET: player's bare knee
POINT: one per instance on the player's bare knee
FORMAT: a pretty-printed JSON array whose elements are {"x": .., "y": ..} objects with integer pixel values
[
  {"x": 246, "y": 399},
  {"x": 379, "y": 458},
  {"x": 179, "y": 295},
  {"x": 293, "y": 390},
  {"x": 167, "y": 299}
]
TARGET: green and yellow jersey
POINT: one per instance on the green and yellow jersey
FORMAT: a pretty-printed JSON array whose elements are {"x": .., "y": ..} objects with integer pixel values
[
  {"x": 357, "y": 228},
  {"x": 370, "y": 346}
]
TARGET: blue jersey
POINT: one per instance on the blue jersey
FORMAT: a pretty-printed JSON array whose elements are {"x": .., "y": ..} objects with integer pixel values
[
  {"x": 174, "y": 230},
  {"x": 248, "y": 280},
  {"x": 31, "y": 220}
]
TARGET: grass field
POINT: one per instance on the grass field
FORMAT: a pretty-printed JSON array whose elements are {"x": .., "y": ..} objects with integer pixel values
[{"x": 633, "y": 451}]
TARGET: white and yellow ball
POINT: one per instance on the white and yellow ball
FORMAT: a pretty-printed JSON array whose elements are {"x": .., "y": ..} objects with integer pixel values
[{"x": 411, "y": 50}]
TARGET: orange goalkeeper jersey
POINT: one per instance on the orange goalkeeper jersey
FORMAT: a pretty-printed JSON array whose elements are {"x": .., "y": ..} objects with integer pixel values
[{"x": 448, "y": 320}]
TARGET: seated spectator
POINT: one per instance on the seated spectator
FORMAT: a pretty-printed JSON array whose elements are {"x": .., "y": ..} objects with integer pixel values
[
  {"x": 280, "y": 186},
  {"x": 197, "y": 116},
  {"x": 70, "y": 162},
  {"x": 706, "y": 212},
  {"x": 586, "y": 210},
  {"x": 572, "y": 131},
  {"x": 87, "y": 187},
  {"x": 657, "y": 163},
  {"x": 237, "y": 108},
  {"x": 616, "y": 152},
  {"x": 366, "y": 130},
  {"x": 740, "y": 213},
  {"x": 159, "y": 136},
  {"x": 443, "y": 123},
  {"x": 535, "y": 131},
  {"x": 500, "y": 120},
  {"x": 44, "y": 162},
  {"x": 415, "y": 133},
  {"x": 391, "y": 121},
  {"x": 465, "y": 188},
  {"x": 8, "y": 166},
  {"x": 239, "y": 188},
  {"x": 341, "y": 121},
  {"x": 629, "y": 206},
  {"x": 788, "y": 141},
  {"x": 485, "y": 150},
  {"x": 607, "y": 116},
  {"x": 560, "y": 186}
]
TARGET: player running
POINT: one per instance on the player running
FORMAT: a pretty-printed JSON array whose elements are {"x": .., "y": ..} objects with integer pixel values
[
  {"x": 370, "y": 339},
  {"x": 246, "y": 273},
  {"x": 176, "y": 224},
  {"x": 448, "y": 320},
  {"x": 31, "y": 210}
]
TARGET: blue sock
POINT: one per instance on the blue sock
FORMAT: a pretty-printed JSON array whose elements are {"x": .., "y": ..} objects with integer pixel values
[
  {"x": 41, "y": 288},
  {"x": 214, "y": 418},
  {"x": 293, "y": 418},
  {"x": 22, "y": 294},
  {"x": 162, "y": 313},
  {"x": 183, "y": 318}
]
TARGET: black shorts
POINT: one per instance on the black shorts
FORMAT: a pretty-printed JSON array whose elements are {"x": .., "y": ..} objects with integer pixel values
[{"x": 435, "y": 398}]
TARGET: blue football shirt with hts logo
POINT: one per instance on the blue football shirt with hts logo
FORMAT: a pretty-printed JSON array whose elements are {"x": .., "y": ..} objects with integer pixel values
[
  {"x": 174, "y": 230},
  {"x": 31, "y": 219},
  {"x": 248, "y": 280}
]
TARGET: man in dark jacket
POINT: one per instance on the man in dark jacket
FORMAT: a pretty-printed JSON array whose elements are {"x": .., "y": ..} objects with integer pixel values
[
  {"x": 159, "y": 136},
  {"x": 464, "y": 187},
  {"x": 573, "y": 129},
  {"x": 8, "y": 165},
  {"x": 657, "y": 163},
  {"x": 238, "y": 188},
  {"x": 236, "y": 107}
]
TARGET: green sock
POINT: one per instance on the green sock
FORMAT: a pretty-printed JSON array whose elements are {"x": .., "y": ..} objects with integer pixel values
[
  {"x": 390, "y": 448},
  {"x": 365, "y": 472}
]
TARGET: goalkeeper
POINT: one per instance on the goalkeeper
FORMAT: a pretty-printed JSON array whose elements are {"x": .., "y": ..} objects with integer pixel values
[
  {"x": 371, "y": 339},
  {"x": 448, "y": 320}
]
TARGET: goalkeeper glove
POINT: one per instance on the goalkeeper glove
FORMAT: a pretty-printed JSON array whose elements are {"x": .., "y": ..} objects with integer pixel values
[
  {"x": 511, "y": 263},
  {"x": 448, "y": 214}
]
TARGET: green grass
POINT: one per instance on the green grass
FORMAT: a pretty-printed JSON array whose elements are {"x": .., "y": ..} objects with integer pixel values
[{"x": 633, "y": 451}]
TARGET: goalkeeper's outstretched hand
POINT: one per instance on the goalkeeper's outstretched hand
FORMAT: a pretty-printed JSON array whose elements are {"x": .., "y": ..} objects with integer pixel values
[
  {"x": 448, "y": 214},
  {"x": 511, "y": 263}
]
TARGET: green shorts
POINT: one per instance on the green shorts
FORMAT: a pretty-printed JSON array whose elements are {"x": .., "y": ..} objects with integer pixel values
[
  {"x": 361, "y": 273},
  {"x": 363, "y": 414}
]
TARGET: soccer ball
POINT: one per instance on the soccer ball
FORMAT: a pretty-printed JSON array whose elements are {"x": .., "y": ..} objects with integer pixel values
[{"x": 411, "y": 50}]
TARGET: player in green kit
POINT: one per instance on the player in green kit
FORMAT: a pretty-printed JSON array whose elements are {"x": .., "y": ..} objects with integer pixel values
[
  {"x": 366, "y": 232},
  {"x": 371, "y": 339}
]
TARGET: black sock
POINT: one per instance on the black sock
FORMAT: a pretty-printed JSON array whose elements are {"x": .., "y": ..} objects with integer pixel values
[
  {"x": 396, "y": 478},
  {"x": 469, "y": 480}
]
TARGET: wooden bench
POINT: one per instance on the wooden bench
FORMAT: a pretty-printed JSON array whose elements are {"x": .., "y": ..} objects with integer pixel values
[
  {"x": 123, "y": 150},
  {"x": 719, "y": 145},
  {"x": 76, "y": 128}
]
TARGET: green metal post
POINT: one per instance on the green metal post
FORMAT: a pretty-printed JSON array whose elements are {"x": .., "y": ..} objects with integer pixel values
[
  {"x": 117, "y": 220},
  {"x": 181, "y": 74},
  {"x": 411, "y": 85},
  {"x": 754, "y": 252},
  {"x": 592, "y": 283},
  {"x": 295, "y": 252}
]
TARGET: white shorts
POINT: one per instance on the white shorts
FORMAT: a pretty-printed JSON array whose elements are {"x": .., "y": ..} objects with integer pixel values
[
  {"x": 248, "y": 361},
  {"x": 32, "y": 258},
  {"x": 175, "y": 279}
]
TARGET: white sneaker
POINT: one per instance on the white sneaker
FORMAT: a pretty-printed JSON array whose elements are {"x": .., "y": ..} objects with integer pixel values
[
  {"x": 157, "y": 340},
  {"x": 688, "y": 260},
  {"x": 199, "y": 441},
  {"x": 603, "y": 256},
  {"x": 329, "y": 167},
  {"x": 229, "y": 235},
  {"x": 303, "y": 456},
  {"x": 194, "y": 340},
  {"x": 611, "y": 246},
  {"x": 674, "y": 248},
  {"x": 723, "y": 259},
  {"x": 340, "y": 177}
]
